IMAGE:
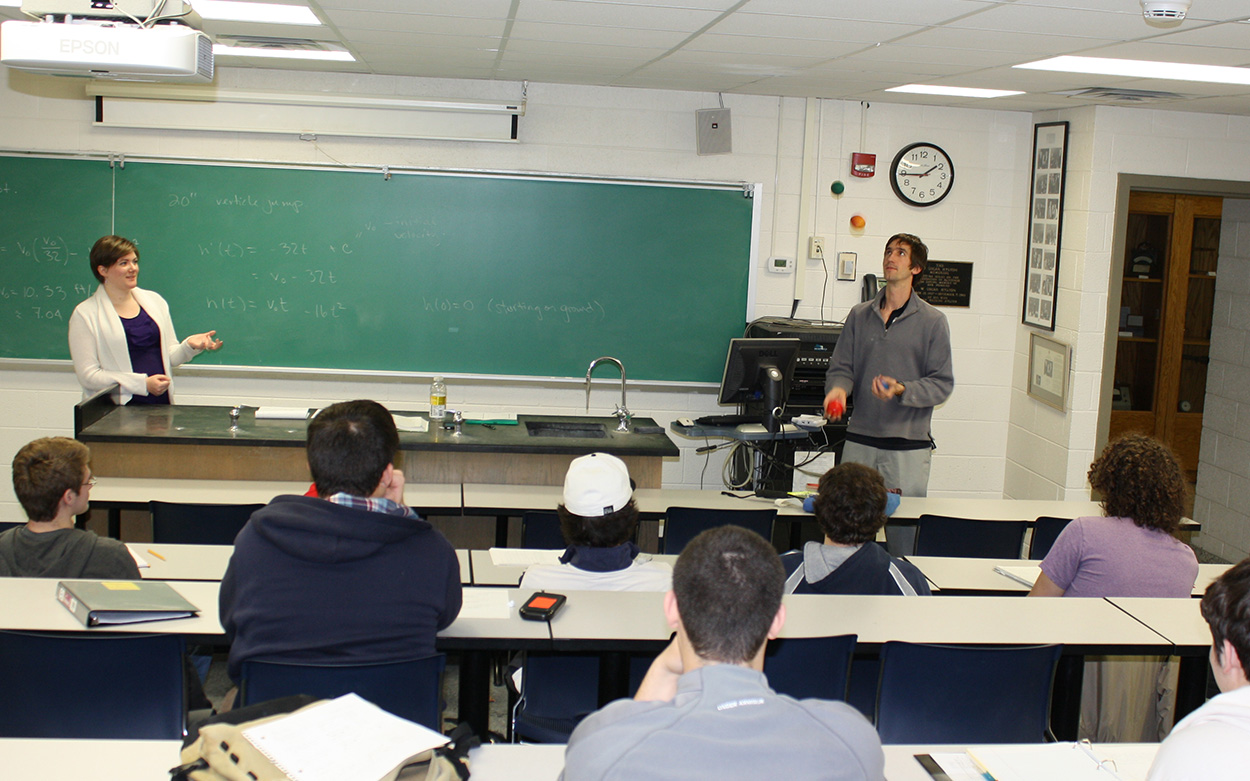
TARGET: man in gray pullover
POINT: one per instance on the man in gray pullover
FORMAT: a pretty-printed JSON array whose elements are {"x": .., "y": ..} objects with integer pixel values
[{"x": 894, "y": 360}]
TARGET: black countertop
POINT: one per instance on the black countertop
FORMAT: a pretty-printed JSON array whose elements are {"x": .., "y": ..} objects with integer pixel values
[{"x": 199, "y": 425}]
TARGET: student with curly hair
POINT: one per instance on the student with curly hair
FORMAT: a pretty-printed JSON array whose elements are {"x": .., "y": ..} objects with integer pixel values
[
  {"x": 1129, "y": 553},
  {"x": 1132, "y": 551},
  {"x": 851, "y": 507}
]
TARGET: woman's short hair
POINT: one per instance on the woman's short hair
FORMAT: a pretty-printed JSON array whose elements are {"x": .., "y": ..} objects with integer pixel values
[
  {"x": 107, "y": 250},
  {"x": 850, "y": 504},
  {"x": 599, "y": 531},
  {"x": 1140, "y": 478}
]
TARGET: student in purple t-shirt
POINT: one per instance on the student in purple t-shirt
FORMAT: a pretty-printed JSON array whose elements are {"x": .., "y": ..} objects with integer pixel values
[{"x": 1132, "y": 552}]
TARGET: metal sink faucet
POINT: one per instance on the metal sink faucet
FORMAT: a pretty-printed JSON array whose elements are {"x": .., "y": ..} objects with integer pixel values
[{"x": 622, "y": 413}]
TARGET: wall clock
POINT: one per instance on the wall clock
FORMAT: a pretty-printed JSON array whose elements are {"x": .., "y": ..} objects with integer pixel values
[{"x": 922, "y": 174}]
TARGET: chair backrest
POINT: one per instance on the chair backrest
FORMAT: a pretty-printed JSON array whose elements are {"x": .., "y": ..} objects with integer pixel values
[
  {"x": 683, "y": 524},
  {"x": 940, "y": 535},
  {"x": 557, "y": 692},
  {"x": 965, "y": 694},
  {"x": 88, "y": 685},
  {"x": 411, "y": 689},
  {"x": 805, "y": 667},
  {"x": 541, "y": 529},
  {"x": 1045, "y": 531},
  {"x": 198, "y": 524}
]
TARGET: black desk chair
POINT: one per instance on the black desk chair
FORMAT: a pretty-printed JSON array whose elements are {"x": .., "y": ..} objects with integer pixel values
[
  {"x": 683, "y": 524},
  {"x": 1046, "y": 530},
  {"x": 198, "y": 524},
  {"x": 541, "y": 529},
  {"x": 88, "y": 685},
  {"x": 940, "y": 535},
  {"x": 411, "y": 689},
  {"x": 805, "y": 667},
  {"x": 558, "y": 690},
  {"x": 965, "y": 694}
]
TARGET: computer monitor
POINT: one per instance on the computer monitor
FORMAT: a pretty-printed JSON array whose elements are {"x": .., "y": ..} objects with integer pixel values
[{"x": 760, "y": 370}]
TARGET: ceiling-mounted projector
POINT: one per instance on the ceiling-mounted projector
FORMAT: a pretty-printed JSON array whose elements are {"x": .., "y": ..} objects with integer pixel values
[{"x": 108, "y": 50}]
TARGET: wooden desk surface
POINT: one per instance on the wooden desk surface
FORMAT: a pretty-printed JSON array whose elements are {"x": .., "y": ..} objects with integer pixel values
[
  {"x": 517, "y": 761},
  {"x": 994, "y": 509},
  {"x": 182, "y": 562}
]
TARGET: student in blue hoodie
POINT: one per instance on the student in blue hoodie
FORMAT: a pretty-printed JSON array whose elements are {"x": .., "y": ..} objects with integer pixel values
[
  {"x": 851, "y": 507},
  {"x": 352, "y": 576}
]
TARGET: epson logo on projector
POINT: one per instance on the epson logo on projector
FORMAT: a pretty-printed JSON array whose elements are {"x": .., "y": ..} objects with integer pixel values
[{"x": 91, "y": 47}]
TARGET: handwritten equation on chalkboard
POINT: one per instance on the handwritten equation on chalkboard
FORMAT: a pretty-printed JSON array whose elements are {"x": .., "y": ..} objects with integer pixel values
[{"x": 946, "y": 283}]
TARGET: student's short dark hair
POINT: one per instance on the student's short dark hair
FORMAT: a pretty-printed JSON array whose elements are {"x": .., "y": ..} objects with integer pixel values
[
  {"x": 599, "y": 531},
  {"x": 919, "y": 250},
  {"x": 44, "y": 470},
  {"x": 850, "y": 504},
  {"x": 349, "y": 446},
  {"x": 728, "y": 583},
  {"x": 1226, "y": 607},
  {"x": 1140, "y": 478},
  {"x": 107, "y": 250}
]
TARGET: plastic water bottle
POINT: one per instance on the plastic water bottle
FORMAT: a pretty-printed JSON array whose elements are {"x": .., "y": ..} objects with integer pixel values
[{"x": 438, "y": 399}]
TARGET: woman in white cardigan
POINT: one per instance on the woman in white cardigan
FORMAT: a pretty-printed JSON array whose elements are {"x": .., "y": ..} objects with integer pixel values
[{"x": 123, "y": 335}]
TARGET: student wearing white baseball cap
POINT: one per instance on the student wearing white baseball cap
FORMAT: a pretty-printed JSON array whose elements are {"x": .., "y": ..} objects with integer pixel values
[{"x": 598, "y": 518}]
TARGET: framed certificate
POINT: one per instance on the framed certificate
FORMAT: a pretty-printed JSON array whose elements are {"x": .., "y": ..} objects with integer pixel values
[{"x": 1048, "y": 371}]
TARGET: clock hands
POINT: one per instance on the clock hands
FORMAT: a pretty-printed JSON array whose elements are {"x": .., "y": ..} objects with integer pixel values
[{"x": 926, "y": 173}]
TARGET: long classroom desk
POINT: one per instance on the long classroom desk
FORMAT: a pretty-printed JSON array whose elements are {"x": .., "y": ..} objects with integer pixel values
[
  {"x": 1181, "y": 622},
  {"x": 966, "y": 576},
  {"x": 488, "y": 622},
  {"x": 169, "y": 561},
  {"x": 621, "y": 621},
  {"x": 133, "y": 493}
]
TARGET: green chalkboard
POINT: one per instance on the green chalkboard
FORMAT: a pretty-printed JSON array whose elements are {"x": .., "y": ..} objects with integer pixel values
[
  {"x": 51, "y": 212},
  {"x": 459, "y": 274}
]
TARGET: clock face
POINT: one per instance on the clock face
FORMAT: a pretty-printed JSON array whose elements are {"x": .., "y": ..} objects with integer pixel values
[{"x": 922, "y": 174}]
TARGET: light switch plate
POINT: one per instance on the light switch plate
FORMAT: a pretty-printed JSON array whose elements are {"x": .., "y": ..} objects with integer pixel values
[{"x": 846, "y": 265}]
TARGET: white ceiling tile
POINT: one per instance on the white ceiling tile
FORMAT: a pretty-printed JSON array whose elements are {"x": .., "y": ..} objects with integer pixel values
[
  {"x": 616, "y": 15},
  {"x": 610, "y": 36},
  {"x": 417, "y": 23}
]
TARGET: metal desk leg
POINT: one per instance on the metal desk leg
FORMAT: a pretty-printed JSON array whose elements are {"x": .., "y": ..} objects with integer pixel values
[
  {"x": 474, "y": 707},
  {"x": 1065, "y": 699},
  {"x": 1191, "y": 685},
  {"x": 613, "y": 676},
  {"x": 501, "y": 531}
]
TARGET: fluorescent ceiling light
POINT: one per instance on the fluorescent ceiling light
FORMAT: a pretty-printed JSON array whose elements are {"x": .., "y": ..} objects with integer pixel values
[
  {"x": 221, "y": 50},
  {"x": 1143, "y": 69},
  {"x": 10, "y": 3},
  {"x": 961, "y": 92},
  {"x": 271, "y": 13}
]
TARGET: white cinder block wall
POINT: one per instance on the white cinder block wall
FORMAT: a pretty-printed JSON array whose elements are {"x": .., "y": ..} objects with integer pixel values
[
  {"x": 604, "y": 131},
  {"x": 1224, "y": 460}
]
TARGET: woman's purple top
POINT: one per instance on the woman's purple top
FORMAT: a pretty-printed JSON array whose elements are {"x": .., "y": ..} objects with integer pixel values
[
  {"x": 143, "y": 338},
  {"x": 1114, "y": 557}
]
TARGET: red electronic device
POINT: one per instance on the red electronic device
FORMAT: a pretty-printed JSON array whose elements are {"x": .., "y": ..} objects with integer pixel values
[{"x": 541, "y": 606}]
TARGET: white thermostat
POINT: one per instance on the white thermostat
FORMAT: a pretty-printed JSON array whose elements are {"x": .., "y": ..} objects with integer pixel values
[{"x": 781, "y": 265}]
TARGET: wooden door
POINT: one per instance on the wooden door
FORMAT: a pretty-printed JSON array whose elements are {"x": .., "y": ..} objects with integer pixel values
[{"x": 1166, "y": 301}]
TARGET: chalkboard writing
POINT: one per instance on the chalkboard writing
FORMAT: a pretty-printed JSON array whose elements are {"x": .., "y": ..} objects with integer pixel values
[
  {"x": 945, "y": 283},
  {"x": 311, "y": 268}
]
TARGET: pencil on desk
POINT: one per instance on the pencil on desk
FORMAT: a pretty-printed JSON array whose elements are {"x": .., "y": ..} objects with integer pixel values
[{"x": 157, "y": 555}]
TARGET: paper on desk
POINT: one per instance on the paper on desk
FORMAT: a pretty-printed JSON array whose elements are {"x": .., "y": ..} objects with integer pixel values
[
  {"x": 523, "y": 557},
  {"x": 347, "y": 737},
  {"x": 282, "y": 413},
  {"x": 485, "y": 603},
  {"x": 1043, "y": 762},
  {"x": 140, "y": 562},
  {"x": 1026, "y": 575},
  {"x": 411, "y": 423}
]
